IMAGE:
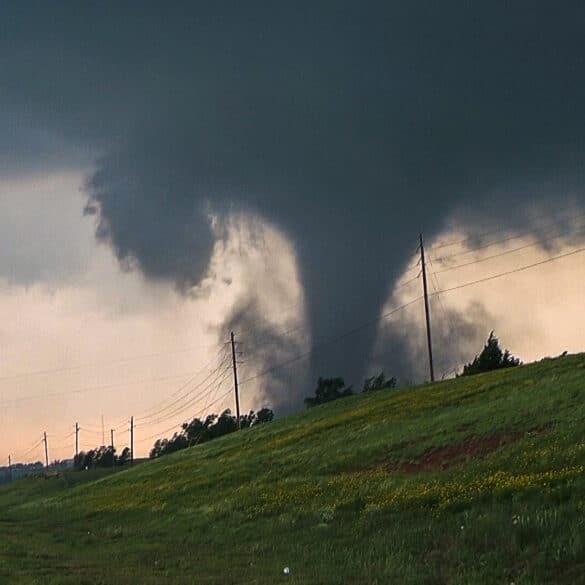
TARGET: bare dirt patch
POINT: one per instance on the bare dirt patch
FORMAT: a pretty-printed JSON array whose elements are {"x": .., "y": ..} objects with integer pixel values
[{"x": 449, "y": 455}]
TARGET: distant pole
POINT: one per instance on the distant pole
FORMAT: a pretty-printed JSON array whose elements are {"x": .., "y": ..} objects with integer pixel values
[
  {"x": 10, "y": 466},
  {"x": 46, "y": 450},
  {"x": 235, "y": 365},
  {"x": 112, "y": 444},
  {"x": 103, "y": 431},
  {"x": 131, "y": 440},
  {"x": 76, "y": 440},
  {"x": 427, "y": 312}
]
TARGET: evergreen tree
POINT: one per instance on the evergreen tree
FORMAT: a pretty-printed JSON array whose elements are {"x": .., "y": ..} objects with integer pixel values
[{"x": 491, "y": 358}]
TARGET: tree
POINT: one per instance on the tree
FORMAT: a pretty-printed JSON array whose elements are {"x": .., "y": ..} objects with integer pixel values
[
  {"x": 124, "y": 456},
  {"x": 226, "y": 423},
  {"x": 247, "y": 420},
  {"x": 491, "y": 358},
  {"x": 328, "y": 389},
  {"x": 379, "y": 382},
  {"x": 264, "y": 415}
]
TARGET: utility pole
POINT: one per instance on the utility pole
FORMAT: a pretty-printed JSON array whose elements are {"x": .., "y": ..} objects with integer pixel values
[
  {"x": 76, "y": 440},
  {"x": 112, "y": 443},
  {"x": 103, "y": 431},
  {"x": 131, "y": 440},
  {"x": 10, "y": 466},
  {"x": 427, "y": 313},
  {"x": 46, "y": 450},
  {"x": 236, "y": 379}
]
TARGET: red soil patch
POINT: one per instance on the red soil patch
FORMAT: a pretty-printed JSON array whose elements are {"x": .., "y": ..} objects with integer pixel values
[{"x": 443, "y": 457}]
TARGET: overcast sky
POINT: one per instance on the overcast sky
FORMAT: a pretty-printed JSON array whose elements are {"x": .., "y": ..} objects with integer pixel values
[{"x": 171, "y": 173}]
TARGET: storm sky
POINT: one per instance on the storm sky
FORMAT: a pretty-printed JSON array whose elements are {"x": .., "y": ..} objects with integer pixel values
[{"x": 260, "y": 166}]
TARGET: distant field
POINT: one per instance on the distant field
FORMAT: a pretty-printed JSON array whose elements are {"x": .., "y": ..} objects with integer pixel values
[{"x": 477, "y": 480}]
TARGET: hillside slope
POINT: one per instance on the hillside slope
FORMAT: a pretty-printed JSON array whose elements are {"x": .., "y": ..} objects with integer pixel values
[{"x": 473, "y": 480}]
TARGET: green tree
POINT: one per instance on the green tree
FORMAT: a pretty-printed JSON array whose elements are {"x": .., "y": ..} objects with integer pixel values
[
  {"x": 264, "y": 415},
  {"x": 379, "y": 382},
  {"x": 328, "y": 389},
  {"x": 491, "y": 358}
]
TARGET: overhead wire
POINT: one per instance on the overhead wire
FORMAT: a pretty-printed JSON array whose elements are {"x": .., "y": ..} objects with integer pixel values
[
  {"x": 475, "y": 237},
  {"x": 504, "y": 253},
  {"x": 94, "y": 365},
  {"x": 507, "y": 272},
  {"x": 330, "y": 341},
  {"x": 187, "y": 406},
  {"x": 514, "y": 236},
  {"x": 122, "y": 422},
  {"x": 92, "y": 388},
  {"x": 436, "y": 286},
  {"x": 180, "y": 393},
  {"x": 250, "y": 349},
  {"x": 22, "y": 455},
  {"x": 158, "y": 434}
]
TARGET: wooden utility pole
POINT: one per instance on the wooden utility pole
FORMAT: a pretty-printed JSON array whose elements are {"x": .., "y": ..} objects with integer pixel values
[
  {"x": 46, "y": 450},
  {"x": 427, "y": 313},
  {"x": 131, "y": 440},
  {"x": 76, "y": 440},
  {"x": 10, "y": 466},
  {"x": 235, "y": 365},
  {"x": 112, "y": 444}
]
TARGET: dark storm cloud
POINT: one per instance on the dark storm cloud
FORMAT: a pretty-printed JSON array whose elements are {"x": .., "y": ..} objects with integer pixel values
[{"x": 351, "y": 126}]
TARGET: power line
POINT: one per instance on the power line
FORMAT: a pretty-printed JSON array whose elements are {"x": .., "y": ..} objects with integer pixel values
[
  {"x": 330, "y": 341},
  {"x": 157, "y": 408},
  {"x": 30, "y": 449},
  {"x": 504, "y": 253},
  {"x": 407, "y": 282},
  {"x": 516, "y": 236},
  {"x": 174, "y": 427},
  {"x": 92, "y": 388},
  {"x": 94, "y": 433},
  {"x": 302, "y": 325},
  {"x": 441, "y": 245},
  {"x": 436, "y": 286},
  {"x": 184, "y": 407},
  {"x": 94, "y": 365},
  {"x": 255, "y": 346},
  {"x": 520, "y": 269}
]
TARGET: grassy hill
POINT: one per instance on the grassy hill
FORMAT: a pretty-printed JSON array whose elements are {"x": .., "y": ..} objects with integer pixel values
[{"x": 476, "y": 480}]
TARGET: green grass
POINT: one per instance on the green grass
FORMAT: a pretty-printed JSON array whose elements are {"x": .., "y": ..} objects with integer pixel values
[{"x": 408, "y": 486}]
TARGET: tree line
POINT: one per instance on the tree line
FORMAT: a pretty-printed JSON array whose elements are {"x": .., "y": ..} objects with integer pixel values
[{"x": 213, "y": 426}]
